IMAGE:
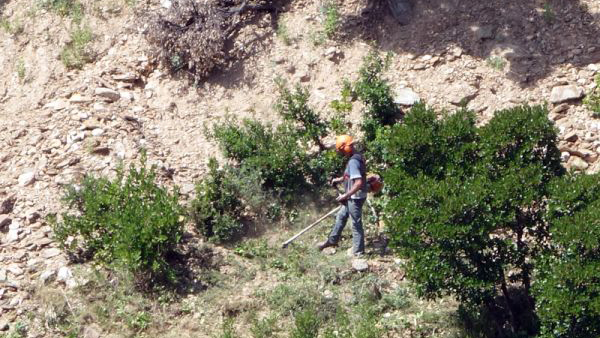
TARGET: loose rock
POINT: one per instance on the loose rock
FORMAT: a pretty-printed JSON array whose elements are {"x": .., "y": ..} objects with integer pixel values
[
  {"x": 108, "y": 94},
  {"x": 566, "y": 93},
  {"x": 360, "y": 265},
  {"x": 406, "y": 97}
]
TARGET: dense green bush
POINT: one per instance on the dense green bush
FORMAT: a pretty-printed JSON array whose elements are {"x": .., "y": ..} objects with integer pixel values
[
  {"x": 217, "y": 208},
  {"x": 129, "y": 221},
  {"x": 467, "y": 203},
  {"x": 567, "y": 284}
]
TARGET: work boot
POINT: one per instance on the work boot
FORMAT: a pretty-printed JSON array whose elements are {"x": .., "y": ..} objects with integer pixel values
[{"x": 325, "y": 244}]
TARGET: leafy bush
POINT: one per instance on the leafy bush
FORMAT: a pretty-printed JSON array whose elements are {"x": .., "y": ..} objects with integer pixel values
[
  {"x": 217, "y": 208},
  {"x": 467, "y": 203},
  {"x": 374, "y": 91},
  {"x": 129, "y": 221},
  {"x": 567, "y": 287},
  {"x": 293, "y": 107},
  {"x": 332, "y": 20},
  {"x": 307, "y": 324}
]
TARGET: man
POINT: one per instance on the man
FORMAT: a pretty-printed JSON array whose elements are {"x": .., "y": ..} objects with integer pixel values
[{"x": 353, "y": 198}]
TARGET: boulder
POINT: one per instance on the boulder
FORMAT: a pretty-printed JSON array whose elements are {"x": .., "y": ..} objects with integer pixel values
[
  {"x": 108, "y": 94},
  {"x": 360, "y": 265},
  {"x": 561, "y": 94},
  {"x": 406, "y": 97}
]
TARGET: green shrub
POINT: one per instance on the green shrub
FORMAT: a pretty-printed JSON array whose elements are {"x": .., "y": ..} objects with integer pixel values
[
  {"x": 70, "y": 8},
  {"x": 592, "y": 100},
  {"x": 307, "y": 324},
  {"x": 374, "y": 91},
  {"x": 217, "y": 208},
  {"x": 293, "y": 107},
  {"x": 567, "y": 287},
  {"x": 77, "y": 53},
  {"x": 129, "y": 221},
  {"x": 332, "y": 20},
  {"x": 467, "y": 203}
]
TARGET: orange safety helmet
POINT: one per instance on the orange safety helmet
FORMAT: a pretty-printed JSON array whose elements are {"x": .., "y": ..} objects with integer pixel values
[{"x": 343, "y": 144}]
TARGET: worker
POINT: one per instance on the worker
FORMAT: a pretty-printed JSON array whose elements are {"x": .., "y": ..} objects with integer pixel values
[{"x": 353, "y": 198}]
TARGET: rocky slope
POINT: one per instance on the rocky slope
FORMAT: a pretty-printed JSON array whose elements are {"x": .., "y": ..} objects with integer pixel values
[{"x": 57, "y": 125}]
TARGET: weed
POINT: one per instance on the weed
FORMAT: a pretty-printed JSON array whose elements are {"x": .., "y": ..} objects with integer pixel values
[
  {"x": 264, "y": 328},
  {"x": 13, "y": 28},
  {"x": 548, "y": 13},
  {"x": 331, "y": 20},
  {"x": 283, "y": 33},
  {"x": 70, "y": 8},
  {"x": 307, "y": 324},
  {"x": 592, "y": 100},
  {"x": 496, "y": 62},
  {"x": 76, "y": 53},
  {"x": 253, "y": 249},
  {"x": 21, "y": 69},
  {"x": 317, "y": 38},
  {"x": 227, "y": 330}
]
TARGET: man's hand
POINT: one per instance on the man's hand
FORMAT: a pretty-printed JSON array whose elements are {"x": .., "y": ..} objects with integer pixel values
[
  {"x": 336, "y": 180},
  {"x": 342, "y": 198}
]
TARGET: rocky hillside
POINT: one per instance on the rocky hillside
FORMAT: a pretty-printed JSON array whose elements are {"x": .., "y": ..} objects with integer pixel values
[{"x": 57, "y": 124}]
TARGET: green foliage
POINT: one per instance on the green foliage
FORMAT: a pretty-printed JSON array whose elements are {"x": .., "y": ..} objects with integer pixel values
[
  {"x": 217, "y": 208},
  {"x": 548, "y": 13},
  {"x": 13, "y": 28},
  {"x": 331, "y": 18},
  {"x": 592, "y": 100},
  {"x": 293, "y": 107},
  {"x": 76, "y": 53},
  {"x": 455, "y": 188},
  {"x": 129, "y": 221},
  {"x": 227, "y": 329},
  {"x": 283, "y": 33},
  {"x": 374, "y": 91},
  {"x": 70, "y": 8},
  {"x": 496, "y": 62},
  {"x": 567, "y": 287},
  {"x": 307, "y": 324},
  {"x": 21, "y": 69},
  {"x": 264, "y": 328}
]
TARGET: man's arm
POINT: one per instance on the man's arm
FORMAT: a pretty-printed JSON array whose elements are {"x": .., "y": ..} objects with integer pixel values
[{"x": 356, "y": 185}]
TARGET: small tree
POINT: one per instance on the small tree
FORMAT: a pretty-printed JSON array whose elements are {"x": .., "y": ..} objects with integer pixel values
[{"x": 467, "y": 204}]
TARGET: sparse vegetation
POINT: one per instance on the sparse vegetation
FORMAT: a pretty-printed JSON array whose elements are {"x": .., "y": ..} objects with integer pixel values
[
  {"x": 283, "y": 33},
  {"x": 496, "y": 63},
  {"x": 77, "y": 53},
  {"x": 21, "y": 71},
  {"x": 548, "y": 13},
  {"x": 67, "y": 8},
  {"x": 592, "y": 100},
  {"x": 331, "y": 18},
  {"x": 14, "y": 28}
]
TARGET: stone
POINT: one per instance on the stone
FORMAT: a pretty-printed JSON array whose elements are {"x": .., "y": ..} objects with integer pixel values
[
  {"x": 561, "y": 94},
  {"x": 15, "y": 270},
  {"x": 56, "y": 105},
  {"x": 565, "y": 156},
  {"x": 97, "y": 132},
  {"x": 108, "y": 94},
  {"x": 47, "y": 276},
  {"x": 483, "y": 32},
  {"x": 4, "y": 325},
  {"x": 27, "y": 178},
  {"x": 329, "y": 251},
  {"x": 127, "y": 96},
  {"x": 561, "y": 108},
  {"x": 578, "y": 163},
  {"x": 93, "y": 330},
  {"x": 462, "y": 94},
  {"x": 406, "y": 97},
  {"x": 360, "y": 265},
  {"x": 64, "y": 274},
  {"x": 4, "y": 221},
  {"x": 571, "y": 136},
  {"x": 42, "y": 242},
  {"x": 12, "y": 236},
  {"x": 49, "y": 253},
  {"x": 304, "y": 77},
  {"x": 32, "y": 216},
  {"x": 79, "y": 99},
  {"x": 127, "y": 77},
  {"x": 7, "y": 205},
  {"x": 104, "y": 151},
  {"x": 3, "y": 276}
]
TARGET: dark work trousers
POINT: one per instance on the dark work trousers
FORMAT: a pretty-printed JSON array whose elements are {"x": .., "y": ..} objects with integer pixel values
[{"x": 352, "y": 208}]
